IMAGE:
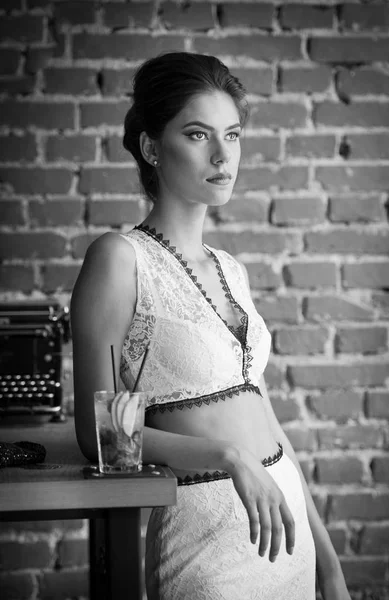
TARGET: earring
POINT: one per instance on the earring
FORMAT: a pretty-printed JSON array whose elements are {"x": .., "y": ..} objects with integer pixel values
[{"x": 155, "y": 163}]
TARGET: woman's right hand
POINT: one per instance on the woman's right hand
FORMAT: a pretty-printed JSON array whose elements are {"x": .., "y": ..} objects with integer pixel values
[{"x": 265, "y": 504}]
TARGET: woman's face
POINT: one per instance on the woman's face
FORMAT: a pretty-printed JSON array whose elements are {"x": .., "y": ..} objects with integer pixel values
[{"x": 199, "y": 151}]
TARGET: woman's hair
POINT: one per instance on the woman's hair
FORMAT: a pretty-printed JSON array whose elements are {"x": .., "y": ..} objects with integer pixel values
[{"x": 162, "y": 87}]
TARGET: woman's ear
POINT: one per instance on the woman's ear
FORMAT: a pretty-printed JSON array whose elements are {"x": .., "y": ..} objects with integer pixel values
[{"x": 148, "y": 149}]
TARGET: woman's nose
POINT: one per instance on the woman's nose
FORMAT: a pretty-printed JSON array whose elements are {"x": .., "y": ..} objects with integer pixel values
[{"x": 221, "y": 154}]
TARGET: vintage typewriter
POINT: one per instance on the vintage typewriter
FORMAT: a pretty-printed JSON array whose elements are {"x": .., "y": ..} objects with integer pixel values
[{"x": 31, "y": 337}]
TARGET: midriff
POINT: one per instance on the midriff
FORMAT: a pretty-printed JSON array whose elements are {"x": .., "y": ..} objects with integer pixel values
[{"x": 241, "y": 420}]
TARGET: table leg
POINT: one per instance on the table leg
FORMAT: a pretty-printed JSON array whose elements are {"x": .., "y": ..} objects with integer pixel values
[{"x": 115, "y": 555}]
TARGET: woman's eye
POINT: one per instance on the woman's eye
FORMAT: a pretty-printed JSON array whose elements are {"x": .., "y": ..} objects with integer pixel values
[
  {"x": 235, "y": 135},
  {"x": 197, "y": 135}
]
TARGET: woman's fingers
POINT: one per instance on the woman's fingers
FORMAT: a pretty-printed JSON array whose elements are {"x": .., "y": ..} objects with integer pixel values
[
  {"x": 289, "y": 525},
  {"x": 265, "y": 531},
  {"x": 276, "y": 532},
  {"x": 253, "y": 522}
]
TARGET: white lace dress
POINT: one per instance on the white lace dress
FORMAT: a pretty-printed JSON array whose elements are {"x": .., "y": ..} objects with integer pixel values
[{"x": 200, "y": 549}]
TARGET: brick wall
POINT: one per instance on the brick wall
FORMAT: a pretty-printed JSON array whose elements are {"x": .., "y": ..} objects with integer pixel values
[{"x": 309, "y": 218}]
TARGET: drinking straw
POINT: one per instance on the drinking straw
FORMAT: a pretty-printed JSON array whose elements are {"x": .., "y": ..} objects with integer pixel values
[
  {"x": 141, "y": 369},
  {"x": 113, "y": 370}
]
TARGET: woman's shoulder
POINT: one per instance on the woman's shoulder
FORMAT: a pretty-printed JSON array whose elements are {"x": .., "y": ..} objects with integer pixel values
[{"x": 112, "y": 246}]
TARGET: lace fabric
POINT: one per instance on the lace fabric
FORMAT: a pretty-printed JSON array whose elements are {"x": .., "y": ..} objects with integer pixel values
[
  {"x": 199, "y": 549},
  {"x": 194, "y": 355}
]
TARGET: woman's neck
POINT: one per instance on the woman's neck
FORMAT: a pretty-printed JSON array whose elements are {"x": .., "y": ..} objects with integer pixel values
[{"x": 182, "y": 226}]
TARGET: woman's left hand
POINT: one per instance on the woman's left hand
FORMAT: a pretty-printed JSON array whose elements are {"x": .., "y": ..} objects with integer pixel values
[{"x": 333, "y": 587}]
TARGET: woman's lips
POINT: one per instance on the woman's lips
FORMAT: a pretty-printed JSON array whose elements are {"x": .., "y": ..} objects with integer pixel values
[{"x": 220, "y": 179}]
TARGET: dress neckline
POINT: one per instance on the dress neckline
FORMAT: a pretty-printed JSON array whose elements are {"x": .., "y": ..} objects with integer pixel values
[{"x": 240, "y": 332}]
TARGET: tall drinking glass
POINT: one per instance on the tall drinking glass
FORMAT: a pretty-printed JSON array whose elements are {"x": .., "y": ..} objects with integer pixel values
[{"x": 119, "y": 428}]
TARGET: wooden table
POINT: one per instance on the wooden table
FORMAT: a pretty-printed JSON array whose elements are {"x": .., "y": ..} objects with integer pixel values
[{"x": 57, "y": 489}]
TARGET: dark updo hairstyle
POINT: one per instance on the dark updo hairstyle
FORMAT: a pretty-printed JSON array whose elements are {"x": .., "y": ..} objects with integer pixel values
[{"x": 162, "y": 87}]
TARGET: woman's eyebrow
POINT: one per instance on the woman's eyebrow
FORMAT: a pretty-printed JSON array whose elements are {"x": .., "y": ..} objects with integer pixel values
[{"x": 205, "y": 126}]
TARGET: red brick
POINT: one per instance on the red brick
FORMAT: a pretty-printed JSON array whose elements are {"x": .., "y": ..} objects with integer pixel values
[
  {"x": 369, "y": 146},
  {"x": 25, "y": 555},
  {"x": 59, "y": 278},
  {"x": 114, "y": 212},
  {"x": 32, "y": 245},
  {"x": 348, "y": 49},
  {"x": 349, "y": 208},
  {"x": 301, "y": 438},
  {"x": 114, "y": 150},
  {"x": 274, "y": 115},
  {"x": 305, "y": 80},
  {"x": 80, "y": 244},
  {"x": 362, "y": 114},
  {"x": 108, "y": 180},
  {"x": 76, "y": 148},
  {"x": 120, "y": 16},
  {"x": 17, "y": 586},
  {"x": 11, "y": 212},
  {"x": 128, "y": 46},
  {"x": 96, "y": 114},
  {"x": 278, "y": 309},
  {"x": 247, "y": 15},
  {"x": 297, "y": 211},
  {"x": 273, "y": 375},
  {"x": 19, "y": 85},
  {"x": 64, "y": 583},
  {"x": 9, "y": 60},
  {"x": 377, "y": 405},
  {"x": 75, "y": 13},
  {"x": 338, "y": 376},
  {"x": 359, "y": 572},
  {"x": 279, "y": 178},
  {"x": 52, "y": 213},
  {"x": 118, "y": 82},
  {"x": 369, "y": 16},
  {"x": 247, "y": 241},
  {"x": 197, "y": 16},
  {"x": 350, "y": 437},
  {"x": 366, "y": 81},
  {"x": 58, "y": 115},
  {"x": 366, "y": 275},
  {"x": 374, "y": 539},
  {"x": 263, "y": 276},
  {"x": 301, "y": 16},
  {"x": 380, "y": 301},
  {"x": 245, "y": 210},
  {"x": 70, "y": 81},
  {"x": 241, "y": 209},
  {"x": 285, "y": 410},
  {"x": 366, "y": 505},
  {"x": 259, "y": 149},
  {"x": 310, "y": 146},
  {"x": 258, "y": 80},
  {"x": 39, "y": 58},
  {"x": 23, "y": 28},
  {"x": 310, "y": 274},
  {"x": 36, "y": 181},
  {"x": 334, "y": 308},
  {"x": 365, "y": 340},
  {"x": 269, "y": 49},
  {"x": 320, "y": 502},
  {"x": 300, "y": 340},
  {"x": 340, "y": 405},
  {"x": 16, "y": 277},
  {"x": 346, "y": 241},
  {"x": 73, "y": 552},
  {"x": 351, "y": 177},
  {"x": 380, "y": 468},
  {"x": 339, "y": 470},
  {"x": 338, "y": 539}
]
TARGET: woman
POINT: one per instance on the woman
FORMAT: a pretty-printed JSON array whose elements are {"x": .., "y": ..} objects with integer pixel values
[{"x": 245, "y": 525}]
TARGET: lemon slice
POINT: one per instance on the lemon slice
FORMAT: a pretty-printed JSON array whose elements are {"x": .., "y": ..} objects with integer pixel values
[
  {"x": 114, "y": 418},
  {"x": 129, "y": 416},
  {"x": 123, "y": 400}
]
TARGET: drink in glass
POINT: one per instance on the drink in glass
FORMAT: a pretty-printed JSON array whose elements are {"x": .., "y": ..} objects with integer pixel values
[{"x": 119, "y": 429}]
